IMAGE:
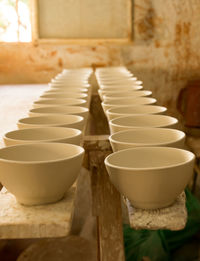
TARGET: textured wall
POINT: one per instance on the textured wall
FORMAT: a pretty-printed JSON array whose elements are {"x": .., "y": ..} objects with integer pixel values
[
  {"x": 25, "y": 63},
  {"x": 165, "y": 53}
]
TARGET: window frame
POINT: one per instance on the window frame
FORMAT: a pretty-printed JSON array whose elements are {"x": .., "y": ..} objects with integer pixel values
[{"x": 82, "y": 41}]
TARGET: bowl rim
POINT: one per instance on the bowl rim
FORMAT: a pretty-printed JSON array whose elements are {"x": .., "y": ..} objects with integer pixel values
[
  {"x": 76, "y": 101},
  {"x": 61, "y": 106},
  {"x": 134, "y": 98},
  {"x": 137, "y": 105},
  {"x": 182, "y": 136},
  {"x": 65, "y": 86},
  {"x": 119, "y": 90},
  {"x": 82, "y": 95},
  {"x": 103, "y": 87},
  {"x": 101, "y": 91},
  {"x": 175, "y": 120},
  {"x": 81, "y": 151},
  {"x": 108, "y": 98},
  {"x": 191, "y": 157},
  {"x": 56, "y": 90},
  {"x": 76, "y": 133},
  {"x": 111, "y": 80},
  {"x": 79, "y": 119},
  {"x": 145, "y": 92}
]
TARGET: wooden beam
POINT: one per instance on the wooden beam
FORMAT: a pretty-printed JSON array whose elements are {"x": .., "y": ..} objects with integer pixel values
[{"x": 106, "y": 202}]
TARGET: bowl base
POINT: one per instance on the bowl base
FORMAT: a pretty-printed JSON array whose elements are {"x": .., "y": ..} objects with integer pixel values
[
  {"x": 39, "y": 201},
  {"x": 151, "y": 205}
]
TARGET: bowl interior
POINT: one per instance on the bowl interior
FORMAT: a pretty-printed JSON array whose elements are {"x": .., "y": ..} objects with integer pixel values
[
  {"x": 74, "y": 90},
  {"x": 148, "y": 136},
  {"x": 46, "y": 133},
  {"x": 64, "y": 95},
  {"x": 64, "y": 85},
  {"x": 144, "y": 120},
  {"x": 138, "y": 109},
  {"x": 131, "y": 101},
  {"x": 69, "y": 101},
  {"x": 118, "y": 80},
  {"x": 60, "y": 109},
  {"x": 120, "y": 86},
  {"x": 149, "y": 158},
  {"x": 119, "y": 89},
  {"x": 127, "y": 94},
  {"x": 40, "y": 152},
  {"x": 52, "y": 119}
]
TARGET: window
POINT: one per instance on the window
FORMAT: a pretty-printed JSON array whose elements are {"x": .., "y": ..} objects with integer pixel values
[
  {"x": 60, "y": 21},
  {"x": 82, "y": 20},
  {"x": 15, "y": 25}
]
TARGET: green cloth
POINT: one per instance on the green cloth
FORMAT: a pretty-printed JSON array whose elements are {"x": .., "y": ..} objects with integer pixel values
[{"x": 159, "y": 244}]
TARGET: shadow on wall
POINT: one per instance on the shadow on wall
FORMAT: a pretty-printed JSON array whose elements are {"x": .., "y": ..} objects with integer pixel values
[
  {"x": 166, "y": 86},
  {"x": 188, "y": 104}
]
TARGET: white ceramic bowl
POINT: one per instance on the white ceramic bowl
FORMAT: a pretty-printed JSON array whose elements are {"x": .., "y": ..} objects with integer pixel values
[
  {"x": 72, "y": 110},
  {"x": 59, "y": 120},
  {"x": 44, "y": 134},
  {"x": 112, "y": 90},
  {"x": 65, "y": 95},
  {"x": 131, "y": 101},
  {"x": 84, "y": 70},
  {"x": 147, "y": 137},
  {"x": 120, "y": 85},
  {"x": 144, "y": 120},
  {"x": 60, "y": 85},
  {"x": 111, "y": 71},
  {"x": 115, "y": 77},
  {"x": 72, "y": 77},
  {"x": 134, "y": 110},
  {"x": 68, "y": 81},
  {"x": 56, "y": 102},
  {"x": 59, "y": 90},
  {"x": 150, "y": 177},
  {"x": 40, "y": 173},
  {"x": 126, "y": 95},
  {"x": 117, "y": 80}
]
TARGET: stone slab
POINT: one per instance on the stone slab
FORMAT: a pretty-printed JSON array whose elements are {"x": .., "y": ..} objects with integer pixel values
[
  {"x": 173, "y": 217},
  {"x": 51, "y": 220}
]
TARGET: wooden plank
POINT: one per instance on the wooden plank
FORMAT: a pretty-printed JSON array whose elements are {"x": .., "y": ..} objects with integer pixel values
[
  {"x": 106, "y": 201},
  {"x": 97, "y": 142},
  {"x": 107, "y": 206},
  {"x": 71, "y": 248},
  {"x": 98, "y": 121},
  {"x": 51, "y": 220},
  {"x": 85, "y": 41}
]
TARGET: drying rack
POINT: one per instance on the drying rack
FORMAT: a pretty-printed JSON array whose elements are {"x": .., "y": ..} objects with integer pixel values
[{"x": 55, "y": 220}]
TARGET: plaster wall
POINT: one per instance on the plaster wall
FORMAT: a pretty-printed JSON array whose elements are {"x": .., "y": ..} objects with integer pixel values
[{"x": 165, "y": 53}]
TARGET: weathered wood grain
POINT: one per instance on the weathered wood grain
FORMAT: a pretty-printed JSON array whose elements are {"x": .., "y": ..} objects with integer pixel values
[
  {"x": 106, "y": 202},
  {"x": 98, "y": 124}
]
